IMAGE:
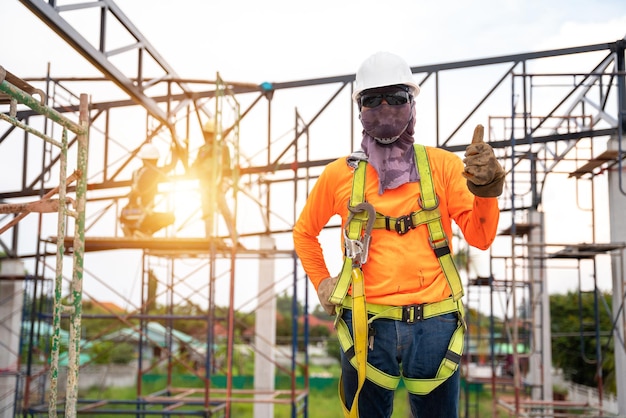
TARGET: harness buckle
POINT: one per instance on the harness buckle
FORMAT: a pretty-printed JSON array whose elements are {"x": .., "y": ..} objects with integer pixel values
[
  {"x": 412, "y": 313},
  {"x": 440, "y": 247},
  {"x": 404, "y": 224},
  {"x": 420, "y": 202}
]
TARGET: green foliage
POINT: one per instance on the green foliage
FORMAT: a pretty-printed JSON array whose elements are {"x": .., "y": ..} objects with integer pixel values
[
  {"x": 283, "y": 329},
  {"x": 284, "y": 322},
  {"x": 333, "y": 348},
  {"x": 284, "y": 305},
  {"x": 574, "y": 341},
  {"x": 93, "y": 328},
  {"x": 193, "y": 327},
  {"x": 320, "y": 313},
  {"x": 318, "y": 332},
  {"x": 153, "y": 283},
  {"x": 107, "y": 352}
]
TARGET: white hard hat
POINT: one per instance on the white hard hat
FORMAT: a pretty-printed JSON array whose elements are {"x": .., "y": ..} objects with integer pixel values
[
  {"x": 209, "y": 126},
  {"x": 148, "y": 152},
  {"x": 383, "y": 69}
]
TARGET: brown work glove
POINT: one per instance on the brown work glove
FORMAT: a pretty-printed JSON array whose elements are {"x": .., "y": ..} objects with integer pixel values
[
  {"x": 485, "y": 176},
  {"x": 324, "y": 291}
]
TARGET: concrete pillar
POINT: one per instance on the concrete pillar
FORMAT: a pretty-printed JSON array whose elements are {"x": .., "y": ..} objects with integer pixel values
[
  {"x": 11, "y": 300},
  {"x": 540, "y": 361},
  {"x": 265, "y": 334},
  {"x": 617, "y": 206}
]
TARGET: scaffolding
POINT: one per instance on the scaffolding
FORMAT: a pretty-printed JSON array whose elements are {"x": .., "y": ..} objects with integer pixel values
[
  {"x": 207, "y": 365},
  {"x": 18, "y": 92},
  {"x": 522, "y": 259}
]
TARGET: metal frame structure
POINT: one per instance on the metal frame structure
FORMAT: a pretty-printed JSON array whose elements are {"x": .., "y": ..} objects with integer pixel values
[
  {"x": 545, "y": 120},
  {"x": 19, "y": 92}
]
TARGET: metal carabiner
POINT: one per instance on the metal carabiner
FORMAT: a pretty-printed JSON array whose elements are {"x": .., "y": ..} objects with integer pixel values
[
  {"x": 364, "y": 242},
  {"x": 353, "y": 247}
]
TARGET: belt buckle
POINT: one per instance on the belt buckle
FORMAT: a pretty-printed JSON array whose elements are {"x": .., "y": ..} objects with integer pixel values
[
  {"x": 404, "y": 224},
  {"x": 412, "y": 313}
]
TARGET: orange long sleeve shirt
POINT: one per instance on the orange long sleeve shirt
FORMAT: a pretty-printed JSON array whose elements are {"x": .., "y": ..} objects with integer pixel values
[{"x": 400, "y": 269}]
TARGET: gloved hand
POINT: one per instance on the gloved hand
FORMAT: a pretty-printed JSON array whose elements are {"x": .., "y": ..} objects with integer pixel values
[
  {"x": 324, "y": 291},
  {"x": 485, "y": 176}
]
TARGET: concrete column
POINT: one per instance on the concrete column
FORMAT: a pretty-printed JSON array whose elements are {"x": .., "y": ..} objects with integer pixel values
[
  {"x": 540, "y": 361},
  {"x": 11, "y": 300},
  {"x": 265, "y": 334},
  {"x": 617, "y": 206}
]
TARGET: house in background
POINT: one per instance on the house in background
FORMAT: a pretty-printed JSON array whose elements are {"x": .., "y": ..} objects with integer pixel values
[
  {"x": 155, "y": 340},
  {"x": 41, "y": 334}
]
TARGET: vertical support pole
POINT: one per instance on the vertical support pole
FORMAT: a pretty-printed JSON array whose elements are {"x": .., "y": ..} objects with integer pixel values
[
  {"x": 58, "y": 287},
  {"x": 516, "y": 377},
  {"x": 540, "y": 362},
  {"x": 618, "y": 229},
  {"x": 11, "y": 308},
  {"x": 76, "y": 290},
  {"x": 617, "y": 205},
  {"x": 265, "y": 334},
  {"x": 210, "y": 322}
]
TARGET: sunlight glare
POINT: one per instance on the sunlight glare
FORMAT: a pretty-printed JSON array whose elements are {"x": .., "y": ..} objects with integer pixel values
[{"x": 183, "y": 199}]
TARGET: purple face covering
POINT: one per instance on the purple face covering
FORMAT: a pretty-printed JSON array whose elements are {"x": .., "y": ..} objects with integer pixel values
[
  {"x": 386, "y": 123},
  {"x": 394, "y": 162}
]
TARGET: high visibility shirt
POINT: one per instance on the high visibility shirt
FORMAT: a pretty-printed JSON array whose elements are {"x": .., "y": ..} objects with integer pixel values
[
  {"x": 400, "y": 269},
  {"x": 145, "y": 186},
  {"x": 203, "y": 166}
]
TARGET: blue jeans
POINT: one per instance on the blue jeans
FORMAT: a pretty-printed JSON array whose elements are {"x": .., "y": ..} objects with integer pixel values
[{"x": 414, "y": 349}]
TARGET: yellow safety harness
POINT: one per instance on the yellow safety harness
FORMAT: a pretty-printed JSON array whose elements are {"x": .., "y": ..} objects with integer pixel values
[{"x": 363, "y": 218}]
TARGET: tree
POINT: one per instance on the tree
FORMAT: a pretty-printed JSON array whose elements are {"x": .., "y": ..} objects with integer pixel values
[
  {"x": 153, "y": 284},
  {"x": 284, "y": 322},
  {"x": 574, "y": 337},
  {"x": 284, "y": 305},
  {"x": 320, "y": 313},
  {"x": 107, "y": 352},
  {"x": 101, "y": 324}
]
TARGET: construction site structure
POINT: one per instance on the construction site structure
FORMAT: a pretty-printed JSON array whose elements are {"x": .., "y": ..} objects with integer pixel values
[
  {"x": 14, "y": 279},
  {"x": 557, "y": 128}
]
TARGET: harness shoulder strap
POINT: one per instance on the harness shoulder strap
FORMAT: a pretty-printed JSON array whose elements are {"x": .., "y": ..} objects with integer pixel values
[
  {"x": 354, "y": 231},
  {"x": 438, "y": 239}
]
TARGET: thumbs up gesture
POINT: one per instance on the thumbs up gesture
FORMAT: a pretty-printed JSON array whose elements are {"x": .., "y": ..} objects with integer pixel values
[{"x": 485, "y": 176}]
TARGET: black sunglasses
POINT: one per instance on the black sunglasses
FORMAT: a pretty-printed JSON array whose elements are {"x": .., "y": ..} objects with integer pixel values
[{"x": 375, "y": 99}]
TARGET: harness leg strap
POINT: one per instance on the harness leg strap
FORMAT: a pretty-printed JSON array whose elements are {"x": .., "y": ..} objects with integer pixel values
[
  {"x": 359, "y": 327},
  {"x": 448, "y": 366}
]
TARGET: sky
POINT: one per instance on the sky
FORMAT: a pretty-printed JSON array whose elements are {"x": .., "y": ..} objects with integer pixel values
[{"x": 279, "y": 40}]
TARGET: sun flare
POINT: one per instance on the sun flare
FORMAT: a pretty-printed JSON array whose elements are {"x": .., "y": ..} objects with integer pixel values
[{"x": 183, "y": 197}]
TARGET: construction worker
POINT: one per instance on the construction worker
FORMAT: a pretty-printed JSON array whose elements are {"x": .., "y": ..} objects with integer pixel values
[
  {"x": 138, "y": 218},
  {"x": 398, "y": 300},
  {"x": 213, "y": 168}
]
